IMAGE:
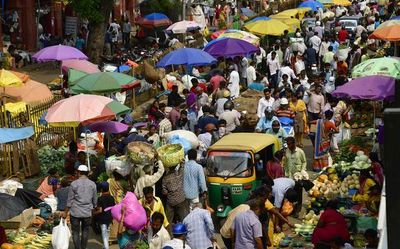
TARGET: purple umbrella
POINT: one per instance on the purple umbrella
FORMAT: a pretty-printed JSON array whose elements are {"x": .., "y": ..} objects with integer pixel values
[
  {"x": 108, "y": 126},
  {"x": 230, "y": 47},
  {"x": 59, "y": 53},
  {"x": 375, "y": 87}
]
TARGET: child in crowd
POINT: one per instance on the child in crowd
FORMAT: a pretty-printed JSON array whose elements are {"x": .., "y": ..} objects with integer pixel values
[
  {"x": 103, "y": 218},
  {"x": 62, "y": 194}
]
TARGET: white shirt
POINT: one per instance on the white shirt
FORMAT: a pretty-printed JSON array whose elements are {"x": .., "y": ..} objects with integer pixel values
[
  {"x": 204, "y": 140},
  {"x": 243, "y": 66},
  {"x": 251, "y": 74},
  {"x": 324, "y": 48},
  {"x": 273, "y": 65},
  {"x": 261, "y": 56},
  {"x": 279, "y": 189},
  {"x": 219, "y": 106},
  {"x": 289, "y": 72},
  {"x": 231, "y": 118},
  {"x": 315, "y": 42},
  {"x": 263, "y": 104},
  {"x": 176, "y": 244},
  {"x": 233, "y": 86},
  {"x": 157, "y": 240}
]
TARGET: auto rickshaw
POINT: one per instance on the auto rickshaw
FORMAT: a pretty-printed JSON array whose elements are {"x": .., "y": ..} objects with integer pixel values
[{"x": 236, "y": 166}]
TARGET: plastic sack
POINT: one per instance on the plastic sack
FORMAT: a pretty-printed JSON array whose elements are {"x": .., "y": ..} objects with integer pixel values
[
  {"x": 176, "y": 139},
  {"x": 364, "y": 223},
  {"x": 61, "y": 235},
  {"x": 135, "y": 215},
  {"x": 52, "y": 201},
  {"x": 10, "y": 187},
  {"x": 188, "y": 135},
  {"x": 121, "y": 166}
]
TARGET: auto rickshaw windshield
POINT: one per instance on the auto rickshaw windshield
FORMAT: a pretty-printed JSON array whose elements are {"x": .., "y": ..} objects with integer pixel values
[{"x": 229, "y": 164}]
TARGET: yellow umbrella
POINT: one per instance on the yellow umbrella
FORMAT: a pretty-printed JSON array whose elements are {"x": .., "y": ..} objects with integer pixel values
[
  {"x": 8, "y": 78},
  {"x": 267, "y": 27},
  {"x": 291, "y": 13},
  {"x": 293, "y": 23},
  {"x": 342, "y": 2}
]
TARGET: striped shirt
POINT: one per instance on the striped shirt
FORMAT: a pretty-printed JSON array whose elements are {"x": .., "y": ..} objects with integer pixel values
[{"x": 200, "y": 228}]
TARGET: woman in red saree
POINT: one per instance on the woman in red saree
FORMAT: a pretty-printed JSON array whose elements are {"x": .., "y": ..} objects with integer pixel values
[
  {"x": 274, "y": 166},
  {"x": 331, "y": 225}
]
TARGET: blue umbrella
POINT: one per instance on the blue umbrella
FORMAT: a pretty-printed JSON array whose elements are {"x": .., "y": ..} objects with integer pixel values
[
  {"x": 247, "y": 12},
  {"x": 186, "y": 56},
  {"x": 260, "y": 18},
  {"x": 122, "y": 68},
  {"x": 314, "y": 5}
]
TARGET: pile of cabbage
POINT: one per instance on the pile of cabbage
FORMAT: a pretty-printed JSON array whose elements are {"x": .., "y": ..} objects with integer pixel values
[{"x": 361, "y": 161}]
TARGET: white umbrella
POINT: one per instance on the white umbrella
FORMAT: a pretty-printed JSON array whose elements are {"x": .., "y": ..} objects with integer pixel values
[{"x": 183, "y": 26}]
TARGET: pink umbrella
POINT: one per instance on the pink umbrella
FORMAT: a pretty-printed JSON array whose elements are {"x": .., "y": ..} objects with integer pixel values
[
  {"x": 81, "y": 65},
  {"x": 83, "y": 109},
  {"x": 59, "y": 53}
]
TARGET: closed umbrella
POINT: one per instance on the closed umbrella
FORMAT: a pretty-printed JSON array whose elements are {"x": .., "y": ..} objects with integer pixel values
[
  {"x": 103, "y": 82},
  {"x": 59, "y": 53},
  {"x": 10, "y": 207},
  {"x": 379, "y": 66},
  {"x": 230, "y": 47},
  {"x": 269, "y": 27},
  {"x": 186, "y": 56},
  {"x": 83, "y": 109}
]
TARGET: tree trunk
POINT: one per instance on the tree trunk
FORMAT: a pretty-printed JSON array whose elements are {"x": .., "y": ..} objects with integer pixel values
[{"x": 97, "y": 33}]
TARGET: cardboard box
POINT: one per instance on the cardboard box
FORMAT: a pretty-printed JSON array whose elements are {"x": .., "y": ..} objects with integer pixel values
[{"x": 23, "y": 220}]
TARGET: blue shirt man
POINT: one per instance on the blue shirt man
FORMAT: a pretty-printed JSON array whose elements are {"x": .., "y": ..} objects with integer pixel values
[
  {"x": 194, "y": 180},
  {"x": 265, "y": 122}
]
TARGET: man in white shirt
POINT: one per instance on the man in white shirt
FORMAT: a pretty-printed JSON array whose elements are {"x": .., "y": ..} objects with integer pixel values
[
  {"x": 279, "y": 189},
  {"x": 274, "y": 66},
  {"x": 234, "y": 80},
  {"x": 286, "y": 69},
  {"x": 230, "y": 116},
  {"x": 157, "y": 234},
  {"x": 251, "y": 73},
  {"x": 264, "y": 102},
  {"x": 315, "y": 42},
  {"x": 244, "y": 63},
  {"x": 260, "y": 56}
]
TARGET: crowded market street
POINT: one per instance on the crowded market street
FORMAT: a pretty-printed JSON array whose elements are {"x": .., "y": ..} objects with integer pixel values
[{"x": 200, "y": 124}]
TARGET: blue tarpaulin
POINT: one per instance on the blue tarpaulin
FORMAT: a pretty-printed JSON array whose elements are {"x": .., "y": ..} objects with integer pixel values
[{"x": 8, "y": 135}]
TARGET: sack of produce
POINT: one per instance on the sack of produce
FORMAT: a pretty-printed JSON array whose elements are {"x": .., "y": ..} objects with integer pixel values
[
  {"x": 135, "y": 215},
  {"x": 119, "y": 164},
  {"x": 171, "y": 154},
  {"x": 141, "y": 152},
  {"x": 182, "y": 141},
  {"x": 187, "y": 135}
]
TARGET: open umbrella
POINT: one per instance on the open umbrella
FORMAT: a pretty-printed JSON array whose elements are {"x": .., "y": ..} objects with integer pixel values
[
  {"x": 30, "y": 92},
  {"x": 108, "y": 126},
  {"x": 8, "y": 78},
  {"x": 59, "y": 53},
  {"x": 272, "y": 27},
  {"x": 242, "y": 35},
  {"x": 230, "y": 47},
  {"x": 388, "y": 31},
  {"x": 259, "y": 18},
  {"x": 292, "y": 23},
  {"x": 83, "y": 109},
  {"x": 103, "y": 82},
  {"x": 314, "y": 5},
  {"x": 155, "y": 20},
  {"x": 186, "y": 56},
  {"x": 247, "y": 12},
  {"x": 183, "y": 27},
  {"x": 74, "y": 75},
  {"x": 292, "y": 13},
  {"x": 81, "y": 65},
  {"x": 378, "y": 66},
  {"x": 368, "y": 88}
]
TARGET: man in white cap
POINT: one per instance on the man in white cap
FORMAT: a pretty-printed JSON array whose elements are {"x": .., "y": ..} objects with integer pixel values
[{"x": 82, "y": 199}]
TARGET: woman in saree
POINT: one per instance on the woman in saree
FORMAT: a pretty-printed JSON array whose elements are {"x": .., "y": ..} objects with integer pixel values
[
  {"x": 322, "y": 142},
  {"x": 300, "y": 120},
  {"x": 49, "y": 184}
]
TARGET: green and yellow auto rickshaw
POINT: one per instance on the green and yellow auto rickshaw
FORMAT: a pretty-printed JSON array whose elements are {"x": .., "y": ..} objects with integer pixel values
[{"x": 236, "y": 166}]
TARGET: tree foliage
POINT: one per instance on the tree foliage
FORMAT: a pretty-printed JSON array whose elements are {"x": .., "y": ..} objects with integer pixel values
[
  {"x": 172, "y": 8},
  {"x": 94, "y": 10}
]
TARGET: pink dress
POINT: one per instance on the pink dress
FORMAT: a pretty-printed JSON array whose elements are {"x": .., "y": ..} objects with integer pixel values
[{"x": 274, "y": 169}]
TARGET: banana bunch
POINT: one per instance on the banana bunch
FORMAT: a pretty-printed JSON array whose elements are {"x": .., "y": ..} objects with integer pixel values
[
  {"x": 42, "y": 241},
  {"x": 23, "y": 238}
]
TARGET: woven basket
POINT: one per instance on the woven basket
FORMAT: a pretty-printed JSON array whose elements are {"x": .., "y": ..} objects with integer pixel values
[
  {"x": 171, "y": 154},
  {"x": 141, "y": 152}
]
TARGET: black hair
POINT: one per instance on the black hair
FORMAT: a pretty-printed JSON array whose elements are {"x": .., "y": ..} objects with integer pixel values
[
  {"x": 73, "y": 147},
  {"x": 222, "y": 122},
  {"x": 52, "y": 171},
  {"x": 291, "y": 195},
  {"x": 194, "y": 80},
  {"x": 185, "y": 91},
  {"x": 290, "y": 139},
  {"x": 332, "y": 204},
  {"x": 206, "y": 108},
  {"x": 192, "y": 154},
  {"x": 104, "y": 187},
  {"x": 370, "y": 233},
  {"x": 162, "y": 105},
  {"x": 148, "y": 190},
  {"x": 374, "y": 157},
  {"x": 184, "y": 112},
  {"x": 157, "y": 216},
  {"x": 255, "y": 203},
  {"x": 267, "y": 90},
  {"x": 328, "y": 114}
]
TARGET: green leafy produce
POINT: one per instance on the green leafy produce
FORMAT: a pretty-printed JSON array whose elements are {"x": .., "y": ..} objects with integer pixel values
[
  {"x": 50, "y": 157},
  {"x": 103, "y": 177}
]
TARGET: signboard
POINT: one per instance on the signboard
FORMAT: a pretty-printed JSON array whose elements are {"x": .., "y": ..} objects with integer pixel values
[{"x": 71, "y": 25}]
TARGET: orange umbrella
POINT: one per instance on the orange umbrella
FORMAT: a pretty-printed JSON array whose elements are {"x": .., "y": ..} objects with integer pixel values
[
  {"x": 31, "y": 92},
  {"x": 387, "y": 31}
]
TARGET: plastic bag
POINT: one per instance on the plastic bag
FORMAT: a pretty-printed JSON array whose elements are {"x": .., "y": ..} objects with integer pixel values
[
  {"x": 52, "y": 201},
  {"x": 61, "y": 235},
  {"x": 135, "y": 215},
  {"x": 188, "y": 135},
  {"x": 176, "y": 139},
  {"x": 123, "y": 167}
]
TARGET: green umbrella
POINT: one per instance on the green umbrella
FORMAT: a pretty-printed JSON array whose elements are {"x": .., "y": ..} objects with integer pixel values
[
  {"x": 74, "y": 75},
  {"x": 103, "y": 82},
  {"x": 118, "y": 108},
  {"x": 378, "y": 66}
]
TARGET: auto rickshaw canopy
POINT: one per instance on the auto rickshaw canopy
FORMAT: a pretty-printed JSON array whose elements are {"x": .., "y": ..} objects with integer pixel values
[{"x": 253, "y": 142}]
